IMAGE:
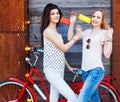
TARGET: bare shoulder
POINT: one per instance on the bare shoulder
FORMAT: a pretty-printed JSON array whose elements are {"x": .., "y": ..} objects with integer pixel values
[{"x": 48, "y": 33}]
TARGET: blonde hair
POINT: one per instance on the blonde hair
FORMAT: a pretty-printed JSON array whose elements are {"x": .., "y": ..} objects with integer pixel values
[{"x": 104, "y": 24}]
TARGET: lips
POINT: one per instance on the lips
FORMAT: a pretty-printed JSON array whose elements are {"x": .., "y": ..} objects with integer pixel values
[{"x": 94, "y": 23}]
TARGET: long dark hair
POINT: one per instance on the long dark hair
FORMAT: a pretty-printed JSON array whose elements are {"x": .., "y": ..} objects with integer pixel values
[{"x": 46, "y": 17}]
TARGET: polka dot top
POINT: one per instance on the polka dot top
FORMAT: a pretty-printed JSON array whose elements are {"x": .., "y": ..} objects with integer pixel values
[{"x": 53, "y": 58}]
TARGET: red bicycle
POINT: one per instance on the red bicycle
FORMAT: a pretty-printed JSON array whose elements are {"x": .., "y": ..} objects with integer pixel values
[{"x": 24, "y": 91}]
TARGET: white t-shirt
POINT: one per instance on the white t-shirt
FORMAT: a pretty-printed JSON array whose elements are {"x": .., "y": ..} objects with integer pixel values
[{"x": 92, "y": 57}]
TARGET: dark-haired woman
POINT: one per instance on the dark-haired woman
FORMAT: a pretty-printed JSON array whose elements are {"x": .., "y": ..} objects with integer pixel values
[{"x": 54, "y": 60}]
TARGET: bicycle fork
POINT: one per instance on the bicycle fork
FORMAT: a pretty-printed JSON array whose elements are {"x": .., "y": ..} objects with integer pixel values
[{"x": 21, "y": 93}]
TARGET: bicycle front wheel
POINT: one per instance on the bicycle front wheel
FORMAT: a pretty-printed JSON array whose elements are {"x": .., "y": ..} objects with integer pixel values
[
  {"x": 107, "y": 94},
  {"x": 10, "y": 90}
]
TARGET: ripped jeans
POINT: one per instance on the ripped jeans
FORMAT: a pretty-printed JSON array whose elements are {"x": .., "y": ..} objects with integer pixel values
[{"x": 89, "y": 91}]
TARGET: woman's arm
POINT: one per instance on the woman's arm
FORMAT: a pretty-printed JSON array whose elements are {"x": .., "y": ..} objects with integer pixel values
[
  {"x": 53, "y": 37},
  {"x": 108, "y": 43},
  {"x": 71, "y": 27},
  {"x": 73, "y": 17},
  {"x": 59, "y": 42},
  {"x": 69, "y": 67}
]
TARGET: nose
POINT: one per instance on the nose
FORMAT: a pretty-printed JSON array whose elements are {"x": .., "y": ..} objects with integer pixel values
[
  {"x": 57, "y": 16},
  {"x": 94, "y": 19}
]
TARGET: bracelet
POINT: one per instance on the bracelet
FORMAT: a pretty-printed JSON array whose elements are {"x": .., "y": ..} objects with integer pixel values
[
  {"x": 109, "y": 40},
  {"x": 74, "y": 40}
]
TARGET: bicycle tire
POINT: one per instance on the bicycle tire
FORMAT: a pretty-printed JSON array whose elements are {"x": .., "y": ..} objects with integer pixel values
[
  {"x": 6, "y": 92},
  {"x": 107, "y": 94}
]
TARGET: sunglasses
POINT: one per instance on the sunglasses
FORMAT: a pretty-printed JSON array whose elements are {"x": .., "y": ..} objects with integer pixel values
[{"x": 88, "y": 44}]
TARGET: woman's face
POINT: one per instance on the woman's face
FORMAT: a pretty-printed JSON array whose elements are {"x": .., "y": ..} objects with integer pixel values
[
  {"x": 54, "y": 16},
  {"x": 97, "y": 19}
]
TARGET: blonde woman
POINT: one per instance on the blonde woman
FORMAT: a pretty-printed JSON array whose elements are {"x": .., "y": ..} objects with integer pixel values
[{"x": 96, "y": 42}]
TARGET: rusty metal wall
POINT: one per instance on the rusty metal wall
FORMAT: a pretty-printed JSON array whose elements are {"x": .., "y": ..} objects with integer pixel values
[
  {"x": 116, "y": 43},
  {"x": 13, "y": 38}
]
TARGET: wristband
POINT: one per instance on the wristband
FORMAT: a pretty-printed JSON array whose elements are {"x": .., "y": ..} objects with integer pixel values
[
  {"x": 109, "y": 40},
  {"x": 74, "y": 40}
]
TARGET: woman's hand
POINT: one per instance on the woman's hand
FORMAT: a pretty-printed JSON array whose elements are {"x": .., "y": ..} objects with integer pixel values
[
  {"x": 78, "y": 29},
  {"x": 108, "y": 44},
  {"x": 110, "y": 34},
  {"x": 78, "y": 32},
  {"x": 73, "y": 17},
  {"x": 73, "y": 69}
]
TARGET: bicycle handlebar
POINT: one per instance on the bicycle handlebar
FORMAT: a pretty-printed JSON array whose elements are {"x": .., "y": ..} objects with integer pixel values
[
  {"x": 40, "y": 50},
  {"x": 35, "y": 52},
  {"x": 77, "y": 72},
  {"x": 33, "y": 49}
]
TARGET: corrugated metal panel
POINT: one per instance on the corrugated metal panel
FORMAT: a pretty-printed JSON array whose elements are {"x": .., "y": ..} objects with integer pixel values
[
  {"x": 116, "y": 43},
  {"x": 80, "y": 6}
]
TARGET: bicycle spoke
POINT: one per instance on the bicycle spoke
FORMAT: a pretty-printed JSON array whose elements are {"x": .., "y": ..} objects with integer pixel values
[
  {"x": 10, "y": 91},
  {"x": 107, "y": 94}
]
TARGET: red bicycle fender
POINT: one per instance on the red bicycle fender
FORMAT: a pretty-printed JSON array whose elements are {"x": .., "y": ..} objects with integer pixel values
[{"x": 28, "y": 87}]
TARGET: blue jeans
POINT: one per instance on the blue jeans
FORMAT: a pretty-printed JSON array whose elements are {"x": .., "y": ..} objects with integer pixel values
[{"x": 89, "y": 91}]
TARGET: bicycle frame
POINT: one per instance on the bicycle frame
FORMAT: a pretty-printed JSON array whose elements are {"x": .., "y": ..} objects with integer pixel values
[
  {"x": 25, "y": 84},
  {"x": 30, "y": 80},
  {"x": 75, "y": 86}
]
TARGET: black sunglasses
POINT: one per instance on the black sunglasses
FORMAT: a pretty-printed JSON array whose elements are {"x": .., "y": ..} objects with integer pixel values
[{"x": 88, "y": 45}]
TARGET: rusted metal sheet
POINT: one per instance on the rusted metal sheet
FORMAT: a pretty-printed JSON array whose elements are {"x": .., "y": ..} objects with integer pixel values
[
  {"x": 11, "y": 15},
  {"x": 12, "y": 56},
  {"x": 13, "y": 38},
  {"x": 116, "y": 43}
]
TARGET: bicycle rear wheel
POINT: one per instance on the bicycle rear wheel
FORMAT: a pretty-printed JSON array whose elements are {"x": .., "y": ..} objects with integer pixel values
[
  {"x": 9, "y": 92},
  {"x": 107, "y": 94}
]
